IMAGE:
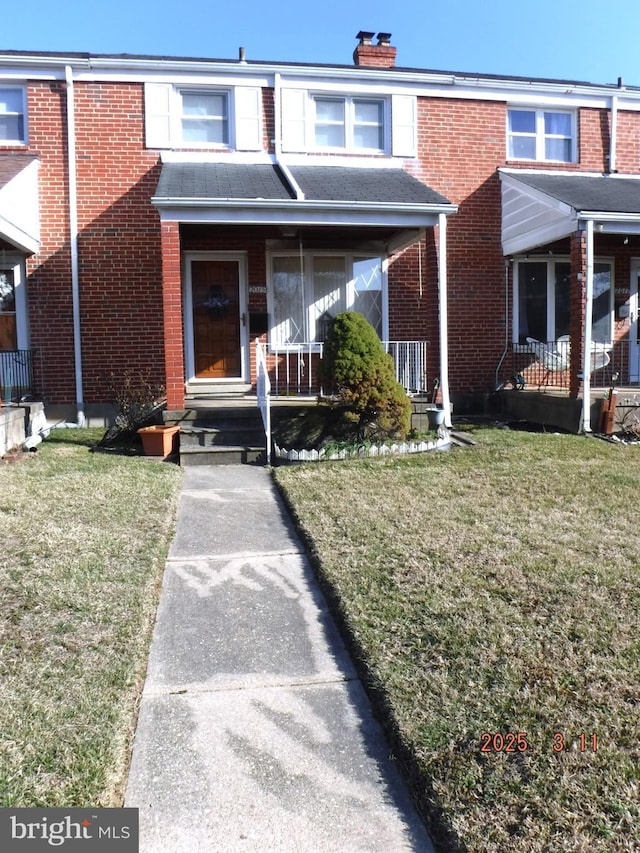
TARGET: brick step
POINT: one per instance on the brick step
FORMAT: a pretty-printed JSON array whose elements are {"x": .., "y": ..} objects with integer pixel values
[{"x": 222, "y": 455}]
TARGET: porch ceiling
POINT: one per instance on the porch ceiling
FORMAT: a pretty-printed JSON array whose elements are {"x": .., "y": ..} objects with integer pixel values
[
  {"x": 265, "y": 194},
  {"x": 539, "y": 207},
  {"x": 19, "y": 208}
]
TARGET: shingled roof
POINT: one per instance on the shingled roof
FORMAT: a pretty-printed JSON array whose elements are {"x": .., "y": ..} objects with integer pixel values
[
  {"x": 12, "y": 164},
  {"x": 588, "y": 192},
  {"x": 218, "y": 181}
]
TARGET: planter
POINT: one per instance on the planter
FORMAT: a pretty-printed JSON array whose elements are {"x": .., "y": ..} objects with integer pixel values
[
  {"x": 159, "y": 440},
  {"x": 436, "y": 416}
]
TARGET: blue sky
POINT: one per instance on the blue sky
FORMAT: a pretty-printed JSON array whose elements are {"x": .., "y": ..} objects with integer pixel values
[{"x": 587, "y": 40}]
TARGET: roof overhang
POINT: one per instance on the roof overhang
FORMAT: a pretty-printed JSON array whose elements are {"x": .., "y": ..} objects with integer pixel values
[
  {"x": 19, "y": 205},
  {"x": 539, "y": 208}
]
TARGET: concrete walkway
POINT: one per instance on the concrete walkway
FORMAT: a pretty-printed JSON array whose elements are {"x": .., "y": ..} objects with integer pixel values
[{"x": 254, "y": 733}]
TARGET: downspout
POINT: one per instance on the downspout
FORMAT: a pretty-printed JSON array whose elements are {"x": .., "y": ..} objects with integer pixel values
[
  {"x": 277, "y": 128},
  {"x": 613, "y": 137},
  {"x": 442, "y": 302},
  {"x": 73, "y": 241},
  {"x": 588, "y": 316}
]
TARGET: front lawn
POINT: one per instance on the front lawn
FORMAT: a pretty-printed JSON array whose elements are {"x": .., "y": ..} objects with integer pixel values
[
  {"x": 84, "y": 536},
  {"x": 493, "y": 602}
]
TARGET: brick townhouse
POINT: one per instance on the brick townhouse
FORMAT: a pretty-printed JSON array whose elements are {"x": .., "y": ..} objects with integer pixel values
[{"x": 160, "y": 214}]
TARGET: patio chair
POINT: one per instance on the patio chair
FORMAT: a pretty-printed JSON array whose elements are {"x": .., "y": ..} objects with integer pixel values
[{"x": 553, "y": 358}]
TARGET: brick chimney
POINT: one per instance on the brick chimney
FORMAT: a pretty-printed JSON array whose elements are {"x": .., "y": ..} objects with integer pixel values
[{"x": 380, "y": 55}]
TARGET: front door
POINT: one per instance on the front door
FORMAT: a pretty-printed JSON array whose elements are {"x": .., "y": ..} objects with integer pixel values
[
  {"x": 634, "y": 323},
  {"x": 217, "y": 314}
]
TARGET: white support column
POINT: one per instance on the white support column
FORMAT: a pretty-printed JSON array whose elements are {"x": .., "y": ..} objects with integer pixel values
[
  {"x": 442, "y": 306},
  {"x": 588, "y": 317}
]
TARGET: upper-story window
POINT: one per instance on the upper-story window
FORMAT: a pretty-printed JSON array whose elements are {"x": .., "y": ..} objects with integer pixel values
[
  {"x": 542, "y": 135},
  {"x": 204, "y": 118},
  {"x": 12, "y": 115},
  {"x": 349, "y": 123}
]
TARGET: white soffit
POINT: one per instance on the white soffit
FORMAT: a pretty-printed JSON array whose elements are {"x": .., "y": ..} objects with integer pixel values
[{"x": 531, "y": 218}]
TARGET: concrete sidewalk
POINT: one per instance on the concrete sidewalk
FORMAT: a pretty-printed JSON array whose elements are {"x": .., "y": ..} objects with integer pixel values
[{"x": 254, "y": 733}]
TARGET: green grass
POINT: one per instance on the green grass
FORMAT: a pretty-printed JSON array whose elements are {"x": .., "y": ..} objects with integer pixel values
[
  {"x": 495, "y": 590},
  {"x": 84, "y": 536}
]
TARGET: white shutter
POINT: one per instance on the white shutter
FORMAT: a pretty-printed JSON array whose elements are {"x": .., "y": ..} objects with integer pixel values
[
  {"x": 248, "y": 115},
  {"x": 293, "y": 103},
  {"x": 157, "y": 113},
  {"x": 403, "y": 125}
]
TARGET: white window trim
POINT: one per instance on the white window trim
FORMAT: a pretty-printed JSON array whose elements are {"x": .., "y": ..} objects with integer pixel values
[
  {"x": 349, "y": 122},
  {"x": 15, "y": 142},
  {"x": 549, "y": 261},
  {"x": 308, "y": 255},
  {"x": 540, "y": 136}
]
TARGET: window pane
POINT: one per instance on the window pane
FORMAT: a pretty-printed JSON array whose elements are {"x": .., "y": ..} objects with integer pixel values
[
  {"x": 522, "y": 147},
  {"x": 557, "y": 123},
  {"x": 558, "y": 149},
  {"x": 367, "y": 279},
  {"x": 204, "y": 105},
  {"x": 330, "y": 135},
  {"x": 11, "y": 127},
  {"x": 601, "y": 323},
  {"x": 329, "y": 110},
  {"x": 562, "y": 298},
  {"x": 10, "y": 101},
  {"x": 367, "y": 137},
  {"x": 194, "y": 130},
  {"x": 368, "y": 111},
  {"x": 532, "y": 301},
  {"x": 522, "y": 121},
  {"x": 329, "y": 285},
  {"x": 288, "y": 301}
]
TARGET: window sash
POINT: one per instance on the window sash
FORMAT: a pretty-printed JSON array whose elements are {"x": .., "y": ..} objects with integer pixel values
[
  {"x": 204, "y": 118},
  {"x": 540, "y": 135},
  {"x": 349, "y": 123},
  {"x": 12, "y": 118}
]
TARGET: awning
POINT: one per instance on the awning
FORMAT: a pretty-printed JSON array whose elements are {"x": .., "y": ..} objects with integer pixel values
[
  {"x": 19, "y": 207},
  {"x": 267, "y": 193},
  {"x": 538, "y": 208}
]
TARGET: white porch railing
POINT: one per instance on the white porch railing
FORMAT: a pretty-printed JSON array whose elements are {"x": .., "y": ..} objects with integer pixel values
[
  {"x": 263, "y": 393},
  {"x": 294, "y": 367}
]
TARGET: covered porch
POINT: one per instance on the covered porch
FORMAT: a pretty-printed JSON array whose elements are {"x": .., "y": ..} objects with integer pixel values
[
  {"x": 572, "y": 245},
  {"x": 272, "y": 252}
]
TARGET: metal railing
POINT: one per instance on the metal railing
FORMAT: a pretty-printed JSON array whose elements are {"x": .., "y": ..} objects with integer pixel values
[
  {"x": 294, "y": 367},
  {"x": 547, "y": 364},
  {"x": 16, "y": 374}
]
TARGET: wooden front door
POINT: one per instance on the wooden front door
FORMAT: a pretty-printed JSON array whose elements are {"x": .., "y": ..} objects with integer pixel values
[{"x": 216, "y": 306}]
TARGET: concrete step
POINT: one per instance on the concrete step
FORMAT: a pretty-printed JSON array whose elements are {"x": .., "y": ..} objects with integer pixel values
[
  {"x": 206, "y": 436},
  {"x": 222, "y": 455}
]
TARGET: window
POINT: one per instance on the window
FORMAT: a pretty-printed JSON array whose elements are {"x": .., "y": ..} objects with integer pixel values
[
  {"x": 309, "y": 289},
  {"x": 12, "y": 124},
  {"x": 541, "y": 135},
  {"x": 8, "y": 330},
  {"x": 349, "y": 123},
  {"x": 205, "y": 118},
  {"x": 542, "y": 300}
]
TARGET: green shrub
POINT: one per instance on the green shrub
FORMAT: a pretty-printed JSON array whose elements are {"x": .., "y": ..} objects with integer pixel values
[{"x": 361, "y": 378}]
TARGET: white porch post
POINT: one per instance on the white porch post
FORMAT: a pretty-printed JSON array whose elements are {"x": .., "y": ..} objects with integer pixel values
[
  {"x": 442, "y": 304},
  {"x": 588, "y": 316}
]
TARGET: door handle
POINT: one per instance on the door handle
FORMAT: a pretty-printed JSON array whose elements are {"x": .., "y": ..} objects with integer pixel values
[{"x": 244, "y": 319}]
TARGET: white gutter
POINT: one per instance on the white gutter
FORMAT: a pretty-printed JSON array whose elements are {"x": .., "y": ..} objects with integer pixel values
[
  {"x": 588, "y": 317},
  {"x": 73, "y": 241},
  {"x": 442, "y": 303},
  {"x": 277, "y": 86}
]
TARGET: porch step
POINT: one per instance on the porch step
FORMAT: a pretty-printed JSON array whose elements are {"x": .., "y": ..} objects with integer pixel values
[
  {"x": 222, "y": 455},
  {"x": 222, "y": 433}
]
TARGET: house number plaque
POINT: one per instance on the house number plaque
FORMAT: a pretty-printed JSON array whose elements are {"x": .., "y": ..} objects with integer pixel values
[{"x": 258, "y": 288}]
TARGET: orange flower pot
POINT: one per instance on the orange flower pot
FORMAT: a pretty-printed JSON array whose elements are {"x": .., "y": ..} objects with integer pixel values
[{"x": 159, "y": 440}]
